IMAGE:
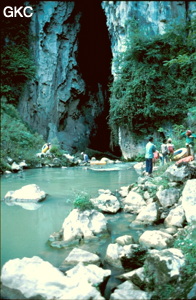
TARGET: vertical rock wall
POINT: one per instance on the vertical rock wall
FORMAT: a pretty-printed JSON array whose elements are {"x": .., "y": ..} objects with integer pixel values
[
  {"x": 67, "y": 101},
  {"x": 152, "y": 17}
]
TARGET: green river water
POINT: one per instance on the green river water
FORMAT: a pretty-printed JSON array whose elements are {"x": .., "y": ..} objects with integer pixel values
[{"x": 25, "y": 233}]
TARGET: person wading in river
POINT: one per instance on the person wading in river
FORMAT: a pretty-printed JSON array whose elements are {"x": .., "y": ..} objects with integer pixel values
[{"x": 150, "y": 149}]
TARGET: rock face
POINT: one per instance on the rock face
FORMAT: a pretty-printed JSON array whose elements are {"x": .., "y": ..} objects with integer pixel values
[
  {"x": 68, "y": 99},
  {"x": 152, "y": 17}
]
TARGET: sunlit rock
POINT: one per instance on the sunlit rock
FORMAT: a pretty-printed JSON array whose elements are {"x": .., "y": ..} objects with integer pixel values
[
  {"x": 81, "y": 256},
  {"x": 92, "y": 273},
  {"x": 148, "y": 214},
  {"x": 83, "y": 224},
  {"x": 129, "y": 291},
  {"x": 106, "y": 203},
  {"x": 178, "y": 174},
  {"x": 123, "y": 191},
  {"x": 115, "y": 252},
  {"x": 155, "y": 239},
  {"x": 133, "y": 202},
  {"x": 136, "y": 276},
  {"x": 124, "y": 240},
  {"x": 15, "y": 167},
  {"x": 168, "y": 197},
  {"x": 164, "y": 265},
  {"x": 139, "y": 167},
  {"x": 34, "y": 277},
  {"x": 189, "y": 200},
  {"x": 23, "y": 164},
  {"x": 107, "y": 160},
  {"x": 176, "y": 217},
  {"x": 28, "y": 193}
]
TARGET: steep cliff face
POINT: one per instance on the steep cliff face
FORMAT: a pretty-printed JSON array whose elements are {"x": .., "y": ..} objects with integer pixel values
[
  {"x": 68, "y": 100},
  {"x": 152, "y": 18},
  {"x": 73, "y": 44}
]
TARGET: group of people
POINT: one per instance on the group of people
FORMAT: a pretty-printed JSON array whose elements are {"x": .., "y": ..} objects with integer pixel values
[{"x": 167, "y": 150}]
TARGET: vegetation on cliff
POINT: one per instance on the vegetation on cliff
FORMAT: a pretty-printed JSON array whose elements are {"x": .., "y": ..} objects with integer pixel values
[
  {"x": 17, "y": 66},
  {"x": 155, "y": 82},
  {"x": 17, "y": 140}
]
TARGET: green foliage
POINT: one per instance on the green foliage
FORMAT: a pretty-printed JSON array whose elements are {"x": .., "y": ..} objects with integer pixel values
[
  {"x": 186, "y": 241},
  {"x": 82, "y": 202},
  {"x": 150, "y": 88},
  {"x": 56, "y": 150},
  {"x": 17, "y": 141},
  {"x": 17, "y": 65}
]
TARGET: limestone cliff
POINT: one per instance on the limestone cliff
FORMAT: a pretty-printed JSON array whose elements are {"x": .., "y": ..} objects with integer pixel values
[
  {"x": 68, "y": 100},
  {"x": 152, "y": 17},
  {"x": 73, "y": 44}
]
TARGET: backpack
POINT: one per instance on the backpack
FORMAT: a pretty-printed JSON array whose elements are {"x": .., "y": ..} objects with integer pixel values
[
  {"x": 156, "y": 154},
  {"x": 165, "y": 150},
  {"x": 170, "y": 149}
]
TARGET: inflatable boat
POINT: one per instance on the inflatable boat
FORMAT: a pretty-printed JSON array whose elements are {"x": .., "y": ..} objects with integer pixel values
[{"x": 180, "y": 153}]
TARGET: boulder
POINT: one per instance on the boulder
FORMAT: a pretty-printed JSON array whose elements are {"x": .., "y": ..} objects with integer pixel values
[
  {"x": 83, "y": 224},
  {"x": 139, "y": 167},
  {"x": 81, "y": 256},
  {"x": 165, "y": 265},
  {"x": 148, "y": 214},
  {"x": 38, "y": 279},
  {"x": 106, "y": 203},
  {"x": 128, "y": 291},
  {"x": 155, "y": 239},
  {"x": 115, "y": 253},
  {"x": 23, "y": 164},
  {"x": 133, "y": 202},
  {"x": 176, "y": 217},
  {"x": 137, "y": 276},
  {"x": 189, "y": 200},
  {"x": 123, "y": 191},
  {"x": 92, "y": 274},
  {"x": 28, "y": 193},
  {"x": 178, "y": 174},
  {"x": 168, "y": 197},
  {"x": 15, "y": 167},
  {"x": 124, "y": 240},
  {"x": 106, "y": 160}
]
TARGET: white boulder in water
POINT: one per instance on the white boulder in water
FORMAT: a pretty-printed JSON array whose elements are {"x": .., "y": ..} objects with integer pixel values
[
  {"x": 106, "y": 203},
  {"x": 28, "y": 193},
  {"x": 83, "y": 224},
  {"x": 34, "y": 277}
]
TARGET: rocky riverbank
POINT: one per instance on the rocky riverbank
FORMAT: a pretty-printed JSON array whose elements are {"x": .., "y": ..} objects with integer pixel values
[{"x": 158, "y": 265}]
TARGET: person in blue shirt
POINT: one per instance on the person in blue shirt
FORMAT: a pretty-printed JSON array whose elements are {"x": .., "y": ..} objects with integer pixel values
[
  {"x": 85, "y": 157},
  {"x": 150, "y": 149},
  {"x": 189, "y": 141}
]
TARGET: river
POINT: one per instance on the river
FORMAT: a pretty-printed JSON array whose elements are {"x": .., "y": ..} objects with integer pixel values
[{"x": 25, "y": 233}]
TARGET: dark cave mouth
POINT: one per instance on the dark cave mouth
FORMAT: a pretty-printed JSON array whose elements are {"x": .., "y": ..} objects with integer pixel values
[{"x": 94, "y": 62}]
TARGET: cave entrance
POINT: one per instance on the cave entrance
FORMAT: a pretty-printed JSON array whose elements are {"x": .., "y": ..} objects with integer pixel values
[{"x": 94, "y": 61}]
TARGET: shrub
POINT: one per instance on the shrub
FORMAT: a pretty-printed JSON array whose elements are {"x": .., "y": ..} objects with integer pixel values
[
  {"x": 151, "y": 88},
  {"x": 82, "y": 202},
  {"x": 17, "y": 141}
]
